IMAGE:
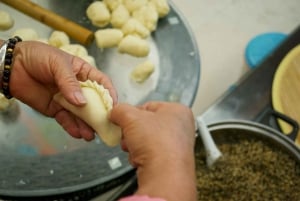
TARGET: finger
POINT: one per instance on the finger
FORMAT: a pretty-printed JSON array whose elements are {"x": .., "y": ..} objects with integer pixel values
[
  {"x": 123, "y": 114},
  {"x": 153, "y": 106},
  {"x": 68, "y": 122},
  {"x": 85, "y": 130}
]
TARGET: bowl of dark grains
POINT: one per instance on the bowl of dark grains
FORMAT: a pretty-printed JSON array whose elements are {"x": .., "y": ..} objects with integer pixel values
[{"x": 258, "y": 163}]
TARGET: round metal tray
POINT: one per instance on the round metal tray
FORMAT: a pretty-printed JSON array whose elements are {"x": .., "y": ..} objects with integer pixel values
[{"x": 38, "y": 158}]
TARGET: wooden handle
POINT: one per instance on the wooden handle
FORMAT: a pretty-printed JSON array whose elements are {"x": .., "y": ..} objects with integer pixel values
[{"x": 57, "y": 22}]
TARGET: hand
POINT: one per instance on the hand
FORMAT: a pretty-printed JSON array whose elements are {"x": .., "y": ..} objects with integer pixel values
[
  {"x": 160, "y": 140},
  {"x": 40, "y": 71}
]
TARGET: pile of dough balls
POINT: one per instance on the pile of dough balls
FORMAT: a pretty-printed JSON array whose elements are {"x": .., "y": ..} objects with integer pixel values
[
  {"x": 6, "y": 21},
  {"x": 58, "y": 39},
  {"x": 126, "y": 25}
]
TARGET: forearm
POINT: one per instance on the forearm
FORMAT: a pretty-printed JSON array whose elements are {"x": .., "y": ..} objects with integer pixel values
[{"x": 172, "y": 179}]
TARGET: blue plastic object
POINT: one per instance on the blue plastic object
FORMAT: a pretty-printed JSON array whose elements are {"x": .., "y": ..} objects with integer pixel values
[{"x": 261, "y": 46}]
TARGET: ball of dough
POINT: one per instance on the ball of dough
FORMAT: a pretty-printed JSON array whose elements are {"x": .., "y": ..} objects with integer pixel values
[
  {"x": 112, "y": 4},
  {"x": 95, "y": 112},
  {"x": 109, "y": 37},
  {"x": 75, "y": 49},
  {"x": 58, "y": 39},
  {"x": 134, "y": 46},
  {"x": 142, "y": 72},
  {"x": 26, "y": 34},
  {"x": 119, "y": 16},
  {"x": 135, "y": 27},
  {"x": 162, "y": 7},
  {"x": 148, "y": 16},
  {"x": 6, "y": 21},
  {"x": 98, "y": 13},
  {"x": 133, "y": 5}
]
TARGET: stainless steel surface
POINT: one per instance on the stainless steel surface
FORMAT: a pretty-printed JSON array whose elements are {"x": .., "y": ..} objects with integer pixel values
[{"x": 50, "y": 162}]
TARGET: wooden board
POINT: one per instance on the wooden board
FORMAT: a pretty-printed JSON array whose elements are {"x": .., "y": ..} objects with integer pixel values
[{"x": 286, "y": 89}]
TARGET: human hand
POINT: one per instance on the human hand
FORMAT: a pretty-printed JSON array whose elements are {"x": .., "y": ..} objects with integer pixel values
[
  {"x": 159, "y": 138},
  {"x": 40, "y": 71}
]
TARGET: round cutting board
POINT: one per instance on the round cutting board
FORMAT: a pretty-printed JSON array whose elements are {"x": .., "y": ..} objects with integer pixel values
[{"x": 286, "y": 89}]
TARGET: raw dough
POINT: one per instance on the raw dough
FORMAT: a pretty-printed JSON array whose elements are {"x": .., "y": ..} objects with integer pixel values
[
  {"x": 148, "y": 16},
  {"x": 6, "y": 21},
  {"x": 142, "y": 72},
  {"x": 109, "y": 37},
  {"x": 95, "y": 112},
  {"x": 26, "y": 34},
  {"x": 58, "y": 39},
  {"x": 135, "y": 27},
  {"x": 112, "y": 4},
  {"x": 133, "y": 5},
  {"x": 162, "y": 7},
  {"x": 119, "y": 16},
  {"x": 75, "y": 49},
  {"x": 98, "y": 13},
  {"x": 134, "y": 46}
]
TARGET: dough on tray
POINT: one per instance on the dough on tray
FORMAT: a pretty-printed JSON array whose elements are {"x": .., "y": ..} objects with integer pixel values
[
  {"x": 95, "y": 112},
  {"x": 26, "y": 34},
  {"x": 135, "y": 27},
  {"x": 142, "y": 72},
  {"x": 148, "y": 16},
  {"x": 58, "y": 39},
  {"x": 109, "y": 37},
  {"x": 119, "y": 16},
  {"x": 162, "y": 7},
  {"x": 6, "y": 21},
  {"x": 98, "y": 13},
  {"x": 135, "y": 46},
  {"x": 133, "y": 5}
]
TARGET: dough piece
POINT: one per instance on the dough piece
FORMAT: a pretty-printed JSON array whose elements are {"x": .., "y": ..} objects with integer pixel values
[
  {"x": 98, "y": 13},
  {"x": 148, "y": 16},
  {"x": 142, "y": 72},
  {"x": 6, "y": 21},
  {"x": 26, "y": 34},
  {"x": 135, "y": 27},
  {"x": 112, "y": 4},
  {"x": 58, "y": 39},
  {"x": 75, "y": 49},
  {"x": 95, "y": 112},
  {"x": 133, "y": 5},
  {"x": 162, "y": 7},
  {"x": 134, "y": 46},
  {"x": 119, "y": 16},
  {"x": 110, "y": 37}
]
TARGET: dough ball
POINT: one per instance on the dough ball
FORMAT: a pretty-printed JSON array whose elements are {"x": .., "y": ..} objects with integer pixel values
[
  {"x": 95, "y": 112},
  {"x": 162, "y": 7},
  {"x": 119, "y": 16},
  {"x": 110, "y": 37},
  {"x": 142, "y": 72},
  {"x": 58, "y": 39},
  {"x": 135, "y": 27},
  {"x": 112, "y": 4},
  {"x": 98, "y": 13},
  {"x": 75, "y": 49},
  {"x": 133, "y": 5},
  {"x": 6, "y": 21},
  {"x": 148, "y": 16},
  {"x": 26, "y": 34},
  {"x": 134, "y": 46}
]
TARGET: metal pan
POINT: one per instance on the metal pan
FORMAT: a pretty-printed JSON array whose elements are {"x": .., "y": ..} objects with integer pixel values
[{"x": 38, "y": 159}]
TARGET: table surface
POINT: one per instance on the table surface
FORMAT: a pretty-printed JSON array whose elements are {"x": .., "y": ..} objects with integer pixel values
[{"x": 223, "y": 29}]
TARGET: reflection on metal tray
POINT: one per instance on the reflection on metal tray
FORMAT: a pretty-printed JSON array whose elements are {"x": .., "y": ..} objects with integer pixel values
[{"x": 38, "y": 159}]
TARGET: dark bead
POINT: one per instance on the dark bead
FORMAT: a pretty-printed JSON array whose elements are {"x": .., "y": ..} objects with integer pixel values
[
  {"x": 9, "y": 55},
  {"x": 11, "y": 45},
  {"x": 7, "y": 61},
  {"x": 18, "y": 38}
]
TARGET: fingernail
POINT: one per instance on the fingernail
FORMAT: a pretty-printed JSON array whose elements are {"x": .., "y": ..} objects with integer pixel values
[{"x": 79, "y": 97}]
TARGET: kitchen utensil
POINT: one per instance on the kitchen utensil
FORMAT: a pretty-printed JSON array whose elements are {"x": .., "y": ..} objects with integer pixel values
[
  {"x": 42, "y": 162},
  {"x": 286, "y": 91},
  {"x": 212, "y": 151},
  {"x": 57, "y": 22}
]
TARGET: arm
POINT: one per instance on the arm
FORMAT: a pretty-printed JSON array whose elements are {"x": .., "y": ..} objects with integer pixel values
[{"x": 160, "y": 140}]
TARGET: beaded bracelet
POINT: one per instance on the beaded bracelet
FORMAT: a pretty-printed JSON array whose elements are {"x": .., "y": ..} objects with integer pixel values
[{"x": 5, "y": 67}]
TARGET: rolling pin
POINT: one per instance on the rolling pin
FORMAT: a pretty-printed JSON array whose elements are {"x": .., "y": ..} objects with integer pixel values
[{"x": 57, "y": 22}]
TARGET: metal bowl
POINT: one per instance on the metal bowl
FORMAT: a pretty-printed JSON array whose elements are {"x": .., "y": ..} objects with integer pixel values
[{"x": 39, "y": 159}]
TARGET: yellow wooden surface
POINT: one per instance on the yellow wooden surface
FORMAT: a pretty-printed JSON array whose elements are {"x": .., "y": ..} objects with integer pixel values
[{"x": 286, "y": 89}]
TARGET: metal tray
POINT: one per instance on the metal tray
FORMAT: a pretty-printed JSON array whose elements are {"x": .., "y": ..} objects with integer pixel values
[{"x": 39, "y": 159}]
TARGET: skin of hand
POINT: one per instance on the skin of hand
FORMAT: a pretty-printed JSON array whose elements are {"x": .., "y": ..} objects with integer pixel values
[
  {"x": 160, "y": 138},
  {"x": 39, "y": 71}
]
